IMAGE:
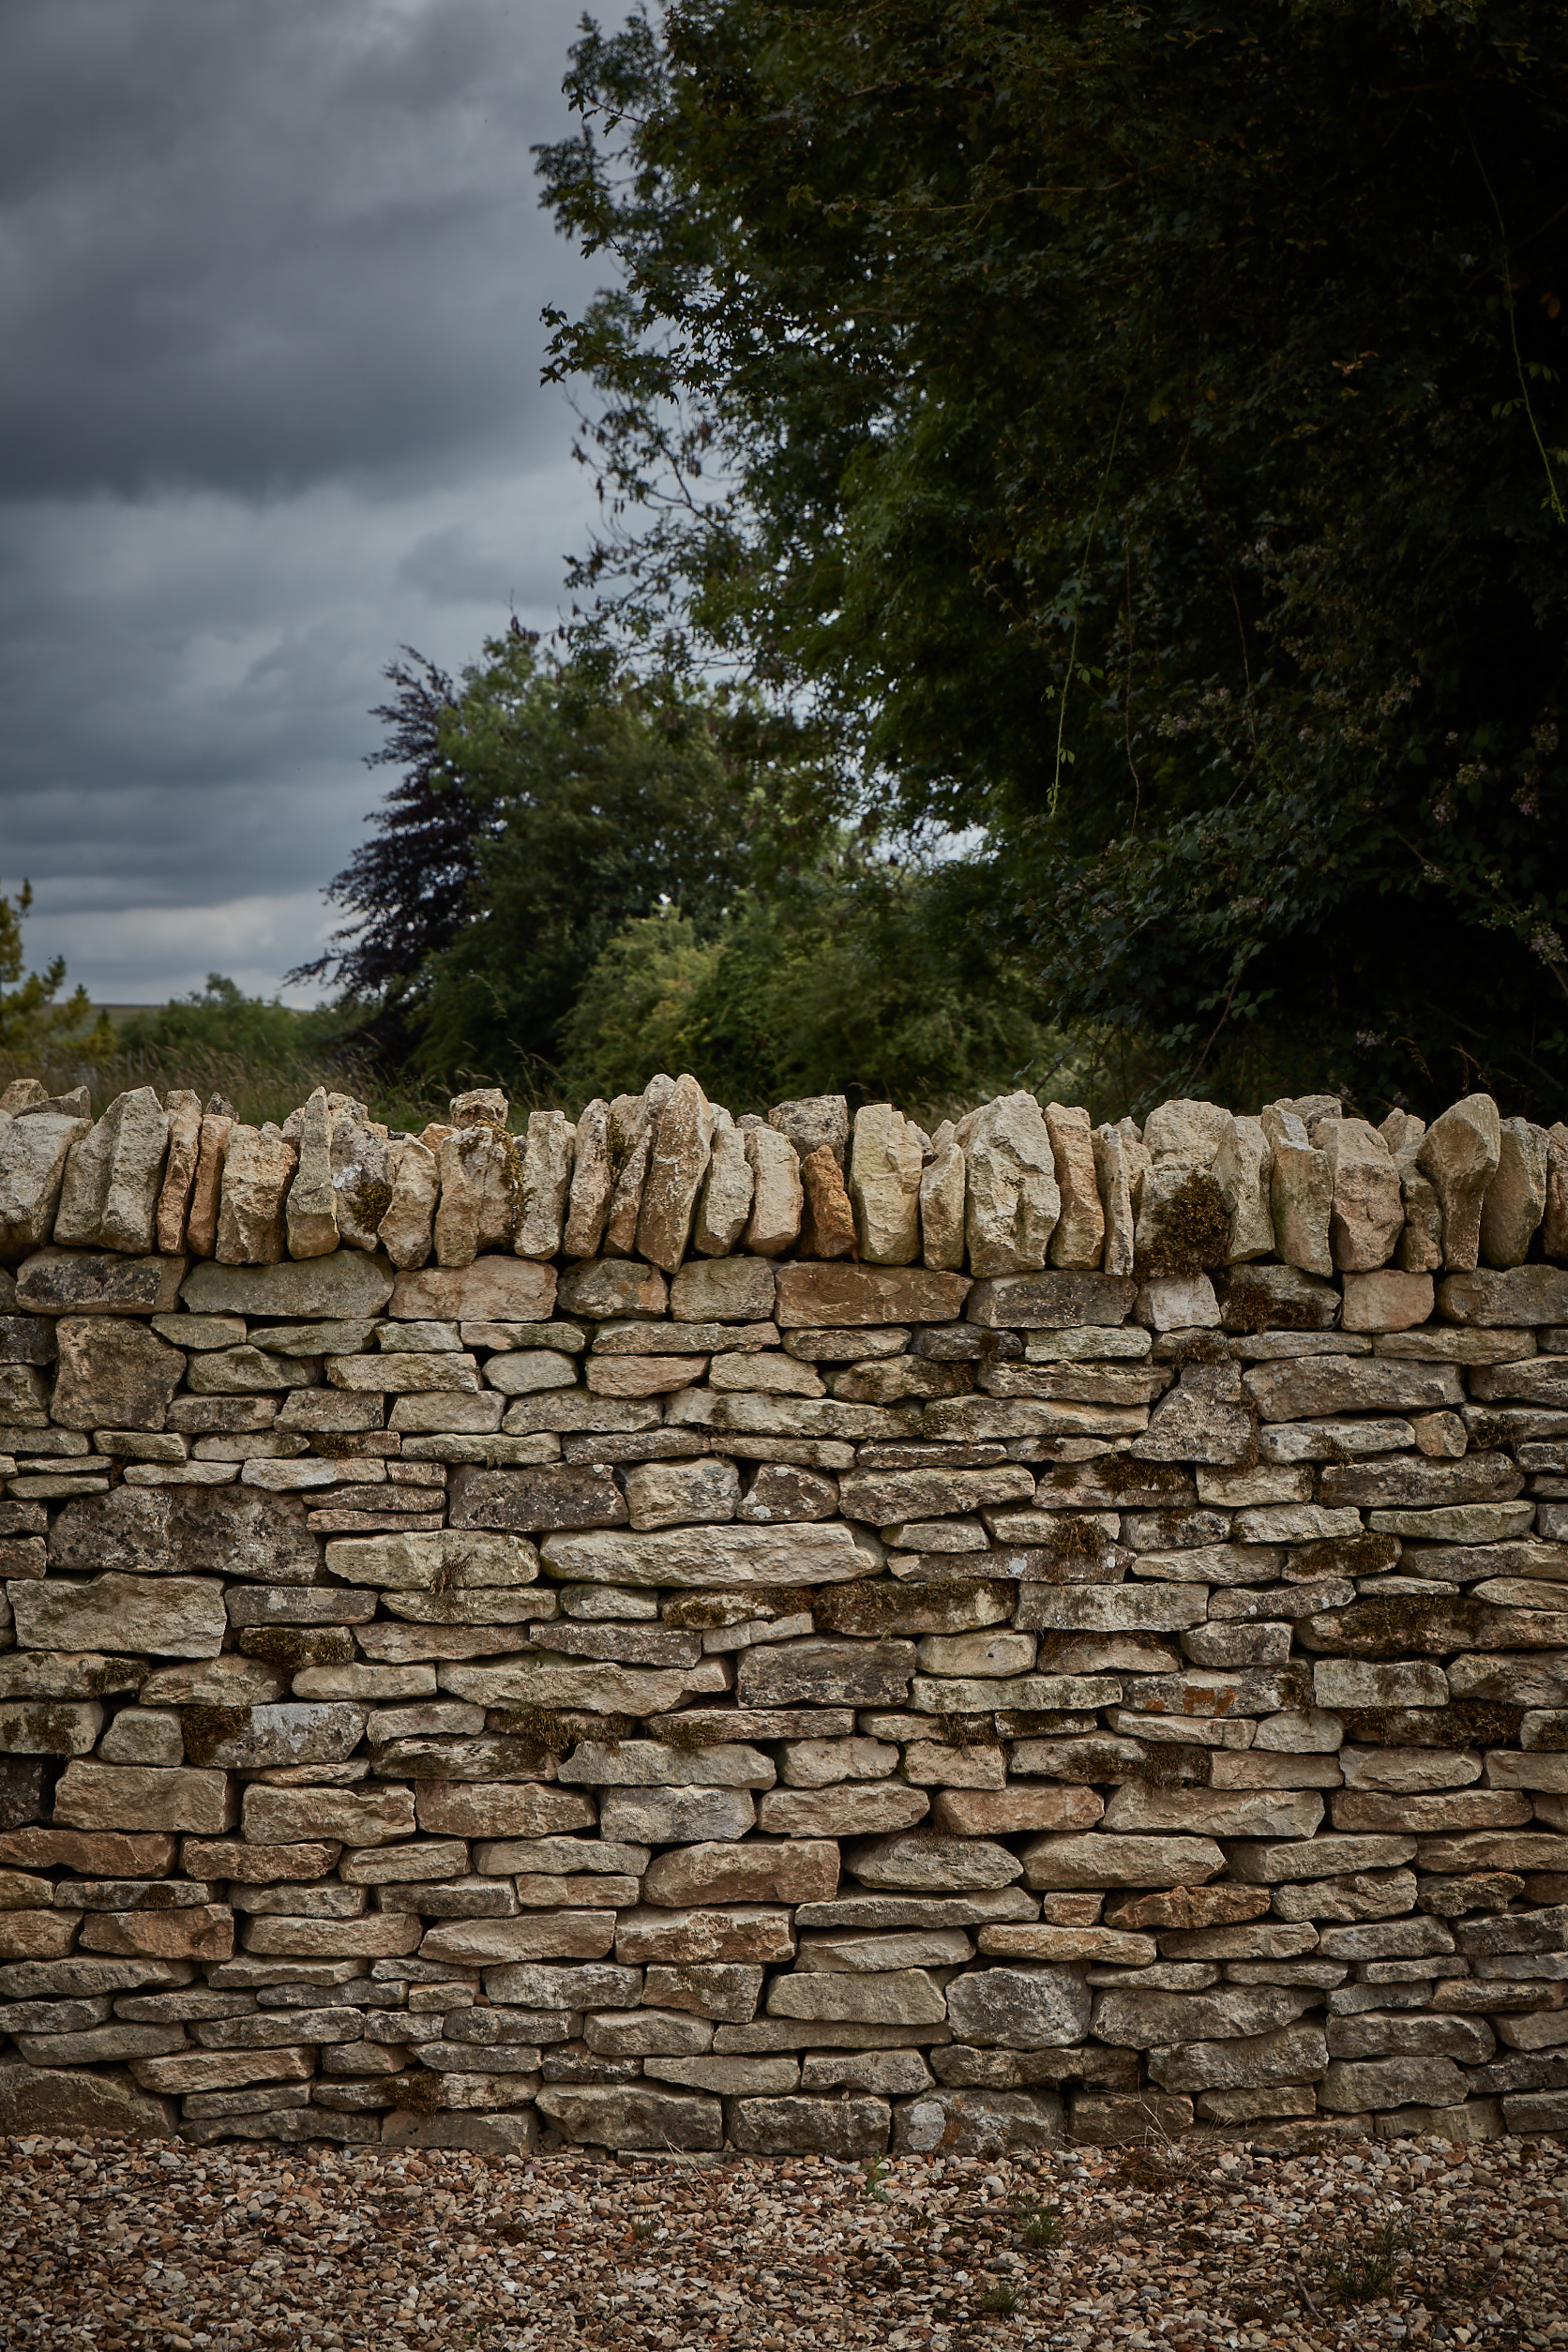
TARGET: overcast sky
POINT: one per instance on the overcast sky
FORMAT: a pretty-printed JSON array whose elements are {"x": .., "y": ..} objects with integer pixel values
[{"x": 270, "y": 281}]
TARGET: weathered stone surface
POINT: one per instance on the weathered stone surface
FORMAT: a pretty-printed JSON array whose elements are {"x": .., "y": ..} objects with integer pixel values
[
  {"x": 481, "y": 1181},
  {"x": 1387, "y": 1300},
  {"x": 547, "y": 1175},
  {"x": 1119, "y": 1163},
  {"x": 649, "y": 1763},
  {"x": 1096, "y": 1860},
  {"x": 677, "y": 1163},
  {"x": 1013, "y": 1201},
  {"x": 1077, "y": 1239},
  {"x": 1019, "y": 2008},
  {"x": 921, "y": 1861},
  {"x": 714, "y": 1559},
  {"x": 127, "y": 1797},
  {"x": 153, "y": 1531},
  {"x": 1367, "y": 1213},
  {"x": 891, "y": 1997},
  {"x": 1312, "y": 1386},
  {"x": 885, "y": 1170},
  {"x": 726, "y": 1202},
  {"x": 981, "y": 2123},
  {"x": 170, "y": 1617},
  {"x": 681, "y": 1816},
  {"x": 1516, "y": 1198},
  {"x": 292, "y": 1817},
  {"x": 820, "y": 1671},
  {"x": 258, "y": 1168},
  {"x": 850, "y": 1810},
  {"x": 1292, "y": 1862},
  {"x": 34, "y": 2100},
  {"x": 1241, "y": 1168},
  {"x": 33, "y": 1155},
  {"x": 1458, "y": 1154},
  {"x": 942, "y": 1183},
  {"x": 311, "y": 1207},
  {"x": 1301, "y": 1192},
  {"x": 1141, "y": 2020},
  {"x": 788, "y": 1871},
  {"x": 1051, "y": 1301},
  {"x": 1524, "y": 1297},
  {"x": 633, "y": 2116},
  {"x": 752, "y": 1933},
  {"x": 343, "y": 1286},
  {"x": 1288, "y": 2054},
  {"x": 594, "y": 1688},
  {"x": 827, "y": 1224},
  {"x": 778, "y": 1197},
  {"x": 438, "y": 1559},
  {"x": 682, "y": 1494},
  {"x": 1350, "y": 2089},
  {"x": 97, "y": 1282},
  {"x": 112, "y": 1374},
  {"x": 406, "y": 1232},
  {"x": 108, "y": 1198}
]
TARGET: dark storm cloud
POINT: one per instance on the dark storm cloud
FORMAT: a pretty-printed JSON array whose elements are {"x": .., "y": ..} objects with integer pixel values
[{"x": 270, "y": 278}]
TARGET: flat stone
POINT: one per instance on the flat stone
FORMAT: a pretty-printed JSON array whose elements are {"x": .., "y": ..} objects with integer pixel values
[
  {"x": 649, "y": 1763},
  {"x": 785, "y": 1871},
  {"x": 779, "y": 1199},
  {"x": 1310, "y": 1387},
  {"x": 489, "y": 1289},
  {"x": 1111, "y": 1608},
  {"x": 1287, "y": 2055},
  {"x": 133, "y": 1797},
  {"x": 174, "y": 1616},
  {"x": 705, "y": 1935},
  {"x": 1019, "y": 2007},
  {"x": 437, "y": 1560},
  {"x": 921, "y": 1861},
  {"x": 823, "y": 1672},
  {"x": 1101, "y": 1860},
  {"x": 96, "y": 1282},
  {"x": 1376, "y": 2085},
  {"x": 1007, "y": 1812},
  {"x": 892, "y": 1997},
  {"x": 682, "y": 1816},
  {"x": 113, "y": 1373},
  {"x": 1293, "y": 1862},
  {"x": 841, "y": 1297},
  {"x": 69, "y": 2102},
  {"x": 1387, "y": 1300},
  {"x": 634, "y": 2116},
  {"x": 716, "y": 1559},
  {"x": 850, "y": 1810}
]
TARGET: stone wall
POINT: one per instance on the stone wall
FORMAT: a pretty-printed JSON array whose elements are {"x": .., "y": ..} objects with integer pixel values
[{"x": 793, "y": 1633}]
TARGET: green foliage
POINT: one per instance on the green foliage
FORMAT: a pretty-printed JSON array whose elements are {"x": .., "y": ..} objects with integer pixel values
[
  {"x": 33, "y": 1026},
  {"x": 605, "y": 798},
  {"x": 1138, "y": 432},
  {"x": 221, "y": 1019},
  {"x": 853, "y": 975}
]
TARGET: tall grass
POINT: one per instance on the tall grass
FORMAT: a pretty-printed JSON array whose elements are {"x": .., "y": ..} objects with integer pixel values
[{"x": 258, "y": 1087}]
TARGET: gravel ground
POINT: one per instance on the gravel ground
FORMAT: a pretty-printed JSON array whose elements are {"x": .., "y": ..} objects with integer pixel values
[{"x": 114, "y": 2242}]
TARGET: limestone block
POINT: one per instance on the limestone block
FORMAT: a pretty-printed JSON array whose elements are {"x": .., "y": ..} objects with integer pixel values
[
  {"x": 1311, "y": 1387},
  {"x": 731, "y": 1290},
  {"x": 676, "y": 1817},
  {"x": 1243, "y": 1169},
  {"x": 921, "y": 1861},
  {"x": 844, "y": 1298},
  {"x": 97, "y": 1282},
  {"x": 942, "y": 1202},
  {"x": 141, "y": 1797},
  {"x": 150, "y": 1531},
  {"x": 292, "y": 1817},
  {"x": 593, "y": 1181},
  {"x": 481, "y": 1178},
  {"x": 802, "y": 1870},
  {"x": 258, "y": 1168},
  {"x": 727, "y": 1191},
  {"x": 853, "y": 1809},
  {"x": 547, "y": 1175},
  {"x": 682, "y": 1494},
  {"x": 1387, "y": 1300},
  {"x": 885, "y": 1165},
  {"x": 1420, "y": 1245},
  {"x": 1288, "y": 2054},
  {"x": 778, "y": 1197},
  {"x": 339, "y": 1288},
  {"x": 509, "y": 1500},
  {"x": 184, "y": 1112},
  {"x": 634, "y": 2115},
  {"x": 735, "y": 2078},
  {"x": 1459, "y": 1154},
  {"x": 633, "y": 1120},
  {"x": 407, "y": 1231},
  {"x": 714, "y": 1559},
  {"x": 1013, "y": 1201},
  {"x": 1368, "y": 1211},
  {"x": 1185, "y": 1130},
  {"x": 977, "y": 2122},
  {"x": 71, "y": 2103},
  {"x": 170, "y": 1617},
  {"x": 752, "y": 1933},
  {"x": 892, "y": 1997},
  {"x": 648, "y": 1763},
  {"x": 1377, "y": 2084},
  {"x": 1121, "y": 1163},
  {"x": 1005, "y": 1811},
  {"x": 1205, "y": 1418},
  {"x": 108, "y": 1198},
  {"x": 1515, "y": 1201},
  {"x": 1554, "y": 1230},
  {"x": 827, "y": 1224},
  {"x": 312, "y": 1209},
  {"x": 815, "y": 1120},
  {"x": 207, "y": 1188},
  {"x": 1096, "y": 1860},
  {"x": 508, "y": 1809},
  {"x": 37, "y": 1727},
  {"x": 1301, "y": 1193},
  {"x": 481, "y": 1106},
  {"x": 822, "y": 1672},
  {"x": 1524, "y": 1295},
  {"x": 1019, "y": 2007},
  {"x": 112, "y": 1374},
  {"x": 33, "y": 1155},
  {"x": 1079, "y": 1239}
]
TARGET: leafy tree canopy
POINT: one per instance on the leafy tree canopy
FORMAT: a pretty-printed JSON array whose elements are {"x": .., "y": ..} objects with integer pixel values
[{"x": 1138, "y": 430}]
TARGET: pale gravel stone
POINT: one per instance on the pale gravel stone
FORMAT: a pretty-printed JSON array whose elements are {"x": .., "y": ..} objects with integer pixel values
[{"x": 312, "y": 1203}]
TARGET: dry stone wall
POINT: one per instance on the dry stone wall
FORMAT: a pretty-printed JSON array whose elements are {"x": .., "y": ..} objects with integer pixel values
[{"x": 793, "y": 1633}]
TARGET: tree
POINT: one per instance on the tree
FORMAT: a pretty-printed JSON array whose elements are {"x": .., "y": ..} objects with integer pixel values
[
  {"x": 595, "y": 797},
  {"x": 33, "y": 1026},
  {"x": 1138, "y": 428}
]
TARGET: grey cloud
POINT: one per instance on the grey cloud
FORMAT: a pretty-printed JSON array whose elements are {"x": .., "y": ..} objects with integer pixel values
[{"x": 270, "y": 280}]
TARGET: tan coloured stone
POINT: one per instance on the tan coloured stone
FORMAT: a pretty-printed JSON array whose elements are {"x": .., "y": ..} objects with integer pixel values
[
  {"x": 170, "y": 1616},
  {"x": 33, "y": 1157},
  {"x": 1301, "y": 1193},
  {"x": 942, "y": 1202},
  {"x": 1187, "y": 1130},
  {"x": 1121, "y": 1163},
  {"x": 247, "y": 1864},
  {"x": 480, "y": 1177},
  {"x": 1554, "y": 1230},
  {"x": 778, "y": 1197},
  {"x": 1013, "y": 1201},
  {"x": 1111, "y": 1860},
  {"x": 751, "y": 1933},
  {"x": 633, "y": 1118},
  {"x": 202, "y": 1932},
  {"x": 885, "y": 1163},
  {"x": 258, "y": 1166},
  {"x": 827, "y": 1224},
  {"x": 543, "y": 1936},
  {"x": 407, "y": 1231},
  {"x": 311, "y": 1213},
  {"x": 184, "y": 1111},
  {"x": 547, "y": 1175},
  {"x": 1459, "y": 1155},
  {"x": 1368, "y": 1214},
  {"x": 141, "y": 1797},
  {"x": 853, "y": 1809},
  {"x": 592, "y": 1182},
  {"x": 501, "y": 1809},
  {"x": 109, "y": 1199},
  {"x": 1420, "y": 1245},
  {"x": 1386, "y": 1301},
  {"x": 1242, "y": 1168},
  {"x": 222, "y": 2070},
  {"x": 1004, "y": 1812},
  {"x": 1079, "y": 1239},
  {"x": 1515, "y": 1196},
  {"x": 727, "y": 1191},
  {"x": 295, "y": 1816},
  {"x": 748, "y": 1872},
  {"x": 488, "y": 1290},
  {"x": 206, "y": 1192}
]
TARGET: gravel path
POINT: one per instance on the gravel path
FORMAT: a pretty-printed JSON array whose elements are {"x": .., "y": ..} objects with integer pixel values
[{"x": 119, "y": 2243}]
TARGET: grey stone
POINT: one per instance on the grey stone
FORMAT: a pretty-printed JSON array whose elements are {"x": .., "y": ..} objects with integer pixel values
[
  {"x": 170, "y": 1616},
  {"x": 942, "y": 1182},
  {"x": 36, "y": 2099},
  {"x": 890, "y": 1997},
  {"x": 346, "y": 1285},
  {"x": 977, "y": 2122},
  {"x": 1147, "y": 2020},
  {"x": 112, "y": 1374},
  {"x": 920, "y": 1861},
  {"x": 847, "y": 2128},
  {"x": 634, "y": 2116},
  {"x": 1019, "y": 2007},
  {"x": 778, "y": 1197},
  {"x": 680, "y": 1816},
  {"x": 1290, "y": 2054},
  {"x": 1458, "y": 1155},
  {"x": 33, "y": 1155},
  {"x": 97, "y": 1282},
  {"x": 152, "y": 1530},
  {"x": 714, "y": 1559},
  {"x": 1102, "y": 1860},
  {"x": 1350, "y": 2087}
]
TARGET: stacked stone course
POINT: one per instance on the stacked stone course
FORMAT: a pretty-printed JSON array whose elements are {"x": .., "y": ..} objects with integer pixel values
[{"x": 677, "y": 1632}]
